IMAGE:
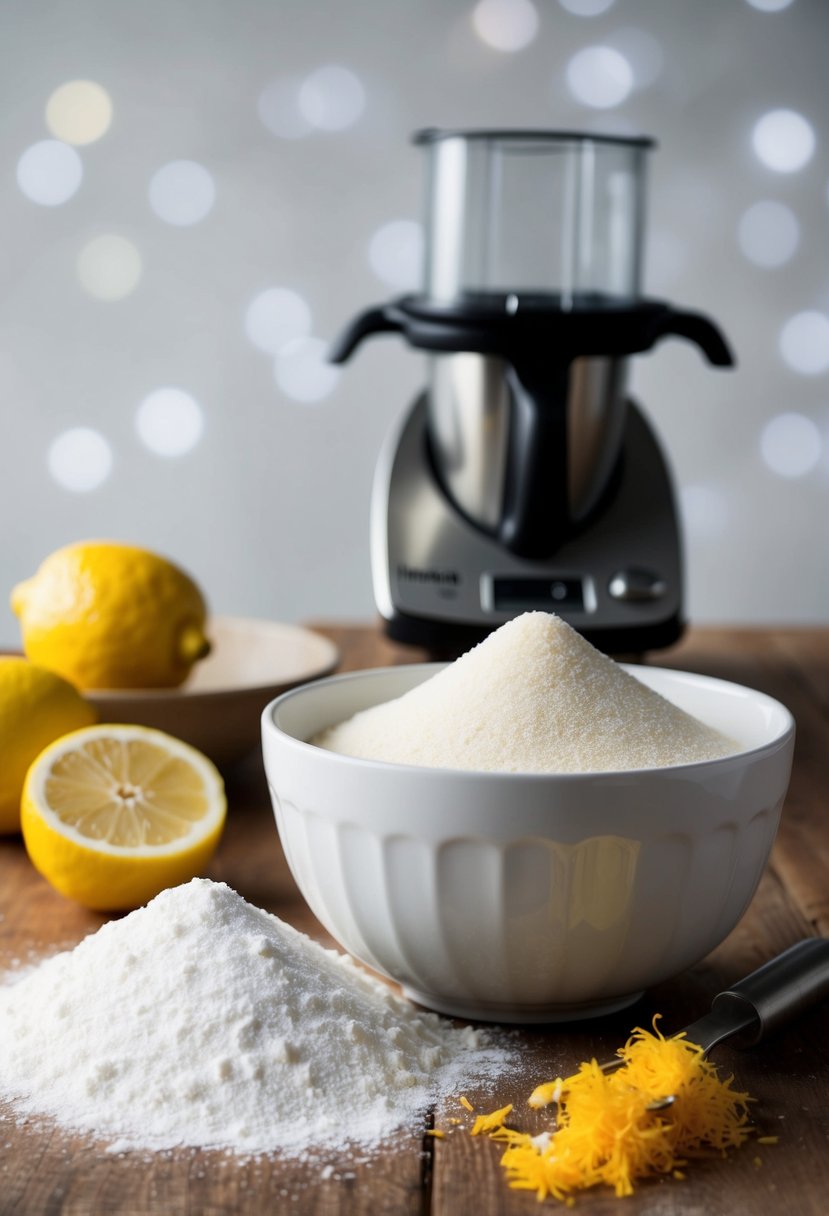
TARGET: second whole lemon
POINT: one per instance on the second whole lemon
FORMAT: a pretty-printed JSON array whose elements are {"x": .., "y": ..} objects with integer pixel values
[
  {"x": 36, "y": 706},
  {"x": 109, "y": 615}
]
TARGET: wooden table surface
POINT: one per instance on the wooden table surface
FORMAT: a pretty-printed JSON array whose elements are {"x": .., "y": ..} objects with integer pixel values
[{"x": 49, "y": 1172}]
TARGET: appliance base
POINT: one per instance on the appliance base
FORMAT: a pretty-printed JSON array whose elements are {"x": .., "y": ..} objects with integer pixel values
[
  {"x": 443, "y": 584},
  {"x": 448, "y": 640}
]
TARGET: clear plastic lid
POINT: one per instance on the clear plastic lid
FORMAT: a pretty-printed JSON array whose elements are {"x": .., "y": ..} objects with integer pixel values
[{"x": 523, "y": 219}]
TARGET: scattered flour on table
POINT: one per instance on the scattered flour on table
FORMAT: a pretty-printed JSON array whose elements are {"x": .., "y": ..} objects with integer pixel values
[
  {"x": 202, "y": 1020},
  {"x": 534, "y": 697}
]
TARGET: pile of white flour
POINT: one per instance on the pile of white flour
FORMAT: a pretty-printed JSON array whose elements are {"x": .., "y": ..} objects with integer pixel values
[
  {"x": 201, "y": 1020},
  {"x": 534, "y": 697}
]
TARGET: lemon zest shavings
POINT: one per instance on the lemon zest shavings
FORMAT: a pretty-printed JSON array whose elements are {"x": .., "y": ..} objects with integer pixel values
[
  {"x": 492, "y": 1122},
  {"x": 607, "y": 1131},
  {"x": 544, "y": 1094},
  {"x": 466, "y": 1104}
]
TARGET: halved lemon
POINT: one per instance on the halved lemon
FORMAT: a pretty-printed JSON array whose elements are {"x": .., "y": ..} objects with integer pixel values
[{"x": 111, "y": 815}]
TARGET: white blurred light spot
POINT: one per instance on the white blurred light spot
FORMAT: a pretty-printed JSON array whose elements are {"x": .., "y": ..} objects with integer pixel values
[
  {"x": 79, "y": 112},
  {"x": 169, "y": 422},
  {"x": 804, "y": 343},
  {"x": 49, "y": 172},
  {"x": 109, "y": 267},
  {"x": 600, "y": 77},
  {"x": 505, "y": 25},
  {"x": 783, "y": 140},
  {"x": 275, "y": 318},
  {"x": 182, "y": 193},
  {"x": 769, "y": 6},
  {"x": 768, "y": 233},
  {"x": 586, "y": 8},
  {"x": 791, "y": 445},
  {"x": 395, "y": 254},
  {"x": 278, "y": 109},
  {"x": 331, "y": 98},
  {"x": 302, "y": 371},
  {"x": 705, "y": 511},
  {"x": 80, "y": 459}
]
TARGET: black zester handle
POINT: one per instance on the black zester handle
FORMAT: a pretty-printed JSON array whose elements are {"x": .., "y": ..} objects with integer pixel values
[{"x": 788, "y": 985}]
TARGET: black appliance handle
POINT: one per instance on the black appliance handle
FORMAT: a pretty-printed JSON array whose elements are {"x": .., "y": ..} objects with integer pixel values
[
  {"x": 536, "y": 517},
  {"x": 697, "y": 328},
  {"x": 614, "y": 332},
  {"x": 536, "y": 513},
  {"x": 380, "y": 320}
]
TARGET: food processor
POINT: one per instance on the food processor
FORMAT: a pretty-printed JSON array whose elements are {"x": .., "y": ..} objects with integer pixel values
[{"x": 523, "y": 477}]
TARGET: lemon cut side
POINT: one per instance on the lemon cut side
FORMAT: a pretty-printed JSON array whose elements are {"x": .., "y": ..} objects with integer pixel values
[{"x": 111, "y": 815}]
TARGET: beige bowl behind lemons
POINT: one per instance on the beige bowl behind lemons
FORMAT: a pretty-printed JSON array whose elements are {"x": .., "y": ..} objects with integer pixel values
[{"x": 217, "y": 710}]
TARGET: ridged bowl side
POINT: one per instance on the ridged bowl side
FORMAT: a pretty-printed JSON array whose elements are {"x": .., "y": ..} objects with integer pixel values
[{"x": 526, "y": 926}]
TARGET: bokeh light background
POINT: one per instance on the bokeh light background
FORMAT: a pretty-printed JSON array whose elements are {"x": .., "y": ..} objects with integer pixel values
[{"x": 198, "y": 194}]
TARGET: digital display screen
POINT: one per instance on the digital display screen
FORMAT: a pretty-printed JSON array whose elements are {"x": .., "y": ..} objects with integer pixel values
[{"x": 527, "y": 594}]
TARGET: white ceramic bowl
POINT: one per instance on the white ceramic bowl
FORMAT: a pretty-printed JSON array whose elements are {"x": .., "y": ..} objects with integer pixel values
[
  {"x": 219, "y": 707},
  {"x": 531, "y": 898}
]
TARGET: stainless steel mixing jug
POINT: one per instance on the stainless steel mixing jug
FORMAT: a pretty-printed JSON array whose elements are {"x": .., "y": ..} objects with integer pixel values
[
  {"x": 470, "y": 405},
  {"x": 538, "y": 221}
]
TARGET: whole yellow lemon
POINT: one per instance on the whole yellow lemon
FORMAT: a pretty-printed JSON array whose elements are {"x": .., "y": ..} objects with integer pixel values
[
  {"x": 109, "y": 615},
  {"x": 36, "y": 707}
]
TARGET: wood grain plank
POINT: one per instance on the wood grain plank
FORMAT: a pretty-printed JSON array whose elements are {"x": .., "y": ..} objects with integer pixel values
[
  {"x": 44, "y": 1171},
  {"x": 56, "y": 1174},
  {"x": 802, "y": 853}
]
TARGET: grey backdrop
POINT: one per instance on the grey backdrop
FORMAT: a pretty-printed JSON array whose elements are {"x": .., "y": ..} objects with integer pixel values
[{"x": 293, "y": 118}]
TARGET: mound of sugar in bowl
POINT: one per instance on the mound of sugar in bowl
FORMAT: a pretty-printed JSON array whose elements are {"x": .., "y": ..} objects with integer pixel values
[
  {"x": 202, "y": 1020},
  {"x": 534, "y": 697}
]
